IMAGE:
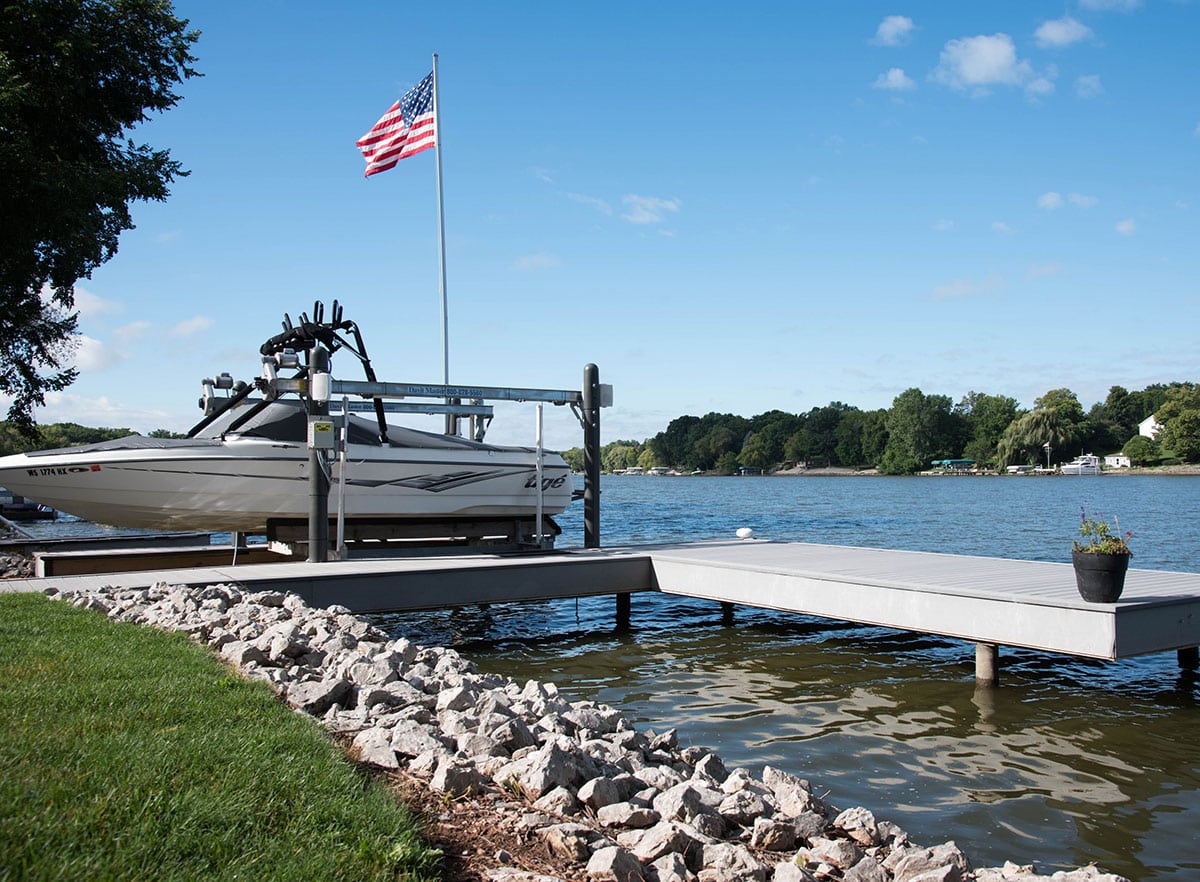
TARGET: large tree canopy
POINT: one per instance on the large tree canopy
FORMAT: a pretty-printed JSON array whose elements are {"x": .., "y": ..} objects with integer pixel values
[{"x": 76, "y": 76}]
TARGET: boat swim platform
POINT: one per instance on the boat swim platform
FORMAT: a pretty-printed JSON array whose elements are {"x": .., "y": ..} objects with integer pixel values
[{"x": 990, "y": 602}]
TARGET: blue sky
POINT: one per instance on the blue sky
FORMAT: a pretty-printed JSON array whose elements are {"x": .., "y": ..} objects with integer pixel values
[{"x": 727, "y": 208}]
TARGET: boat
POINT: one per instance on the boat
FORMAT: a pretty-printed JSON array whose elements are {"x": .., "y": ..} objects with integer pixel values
[
  {"x": 1085, "y": 464},
  {"x": 245, "y": 465}
]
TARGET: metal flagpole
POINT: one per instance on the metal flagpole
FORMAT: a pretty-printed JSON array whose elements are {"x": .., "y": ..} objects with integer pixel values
[{"x": 437, "y": 144}]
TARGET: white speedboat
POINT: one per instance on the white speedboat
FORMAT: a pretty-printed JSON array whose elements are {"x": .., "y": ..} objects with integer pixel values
[
  {"x": 1087, "y": 464},
  {"x": 247, "y": 463}
]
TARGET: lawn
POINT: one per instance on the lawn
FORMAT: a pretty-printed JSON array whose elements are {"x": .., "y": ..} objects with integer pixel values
[{"x": 129, "y": 753}]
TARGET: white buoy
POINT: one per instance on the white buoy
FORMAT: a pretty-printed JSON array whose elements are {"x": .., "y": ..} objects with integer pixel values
[{"x": 744, "y": 533}]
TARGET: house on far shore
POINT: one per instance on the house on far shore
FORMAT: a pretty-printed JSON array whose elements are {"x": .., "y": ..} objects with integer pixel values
[
  {"x": 1117, "y": 461},
  {"x": 1149, "y": 427}
]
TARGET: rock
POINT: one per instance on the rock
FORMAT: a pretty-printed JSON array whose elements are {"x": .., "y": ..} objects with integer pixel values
[
  {"x": 374, "y": 746},
  {"x": 671, "y": 868},
  {"x": 731, "y": 863},
  {"x": 837, "y": 852},
  {"x": 743, "y": 807},
  {"x": 567, "y": 841},
  {"x": 614, "y": 864},
  {"x": 457, "y": 778},
  {"x": 790, "y": 871},
  {"x": 410, "y": 738},
  {"x": 599, "y": 792},
  {"x": 793, "y": 796},
  {"x": 859, "y": 824},
  {"x": 711, "y": 768},
  {"x": 316, "y": 697},
  {"x": 772, "y": 835},
  {"x": 663, "y": 838},
  {"x": 627, "y": 815},
  {"x": 866, "y": 870},
  {"x": 918, "y": 861},
  {"x": 809, "y": 825},
  {"x": 559, "y": 801},
  {"x": 242, "y": 652}
]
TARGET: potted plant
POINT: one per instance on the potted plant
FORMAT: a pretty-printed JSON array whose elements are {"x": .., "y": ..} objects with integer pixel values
[{"x": 1101, "y": 557}]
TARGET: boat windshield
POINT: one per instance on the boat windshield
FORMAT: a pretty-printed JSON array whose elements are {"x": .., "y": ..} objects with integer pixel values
[{"x": 287, "y": 421}]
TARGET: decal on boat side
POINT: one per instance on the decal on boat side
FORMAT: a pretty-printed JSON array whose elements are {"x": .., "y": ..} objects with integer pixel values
[
  {"x": 547, "y": 483},
  {"x": 60, "y": 470}
]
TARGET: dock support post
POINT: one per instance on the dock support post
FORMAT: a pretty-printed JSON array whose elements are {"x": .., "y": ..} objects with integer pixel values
[
  {"x": 591, "y": 456},
  {"x": 1189, "y": 657},
  {"x": 318, "y": 481},
  {"x": 623, "y": 611},
  {"x": 987, "y": 664},
  {"x": 726, "y": 613}
]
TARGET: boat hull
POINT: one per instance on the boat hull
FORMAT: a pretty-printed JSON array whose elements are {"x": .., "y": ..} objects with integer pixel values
[{"x": 241, "y": 484}]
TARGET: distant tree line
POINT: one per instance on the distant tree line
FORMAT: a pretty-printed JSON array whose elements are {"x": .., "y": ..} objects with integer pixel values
[{"x": 992, "y": 430}]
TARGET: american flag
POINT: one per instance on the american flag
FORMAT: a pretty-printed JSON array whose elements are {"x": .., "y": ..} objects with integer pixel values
[{"x": 405, "y": 130}]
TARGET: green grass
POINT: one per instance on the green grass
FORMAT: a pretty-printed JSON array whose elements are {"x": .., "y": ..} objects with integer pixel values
[{"x": 128, "y": 753}]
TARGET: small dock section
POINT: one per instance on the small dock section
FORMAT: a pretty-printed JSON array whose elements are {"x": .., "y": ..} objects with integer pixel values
[{"x": 990, "y": 602}]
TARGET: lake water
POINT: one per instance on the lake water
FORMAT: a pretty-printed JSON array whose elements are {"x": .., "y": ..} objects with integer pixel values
[{"x": 1067, "y": 762}]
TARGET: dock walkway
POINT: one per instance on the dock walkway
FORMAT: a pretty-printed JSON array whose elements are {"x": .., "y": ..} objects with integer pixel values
[{"x": 987, "y": 601}]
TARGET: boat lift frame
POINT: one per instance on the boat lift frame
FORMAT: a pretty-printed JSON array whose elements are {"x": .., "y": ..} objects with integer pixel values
[{"x": 319, "y": 388}]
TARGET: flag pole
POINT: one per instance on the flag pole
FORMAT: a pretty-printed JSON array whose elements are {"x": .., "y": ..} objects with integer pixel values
[
  {"x": 451, "y": 420},
  {"x": 437, "y": 140}
]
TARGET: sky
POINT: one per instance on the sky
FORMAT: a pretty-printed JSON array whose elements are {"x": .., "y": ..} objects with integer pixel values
[{"x": 730, "y": 208}]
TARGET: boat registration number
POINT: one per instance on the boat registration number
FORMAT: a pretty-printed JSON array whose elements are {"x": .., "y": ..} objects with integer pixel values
[{"x": 60, "y": 470}]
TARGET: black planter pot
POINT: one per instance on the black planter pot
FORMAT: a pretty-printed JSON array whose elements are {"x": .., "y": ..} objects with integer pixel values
[{"x": 1100, "y": 577}]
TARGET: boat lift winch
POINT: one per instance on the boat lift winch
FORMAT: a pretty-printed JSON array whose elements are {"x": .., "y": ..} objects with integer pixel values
[{"x": 317, "y": 340}]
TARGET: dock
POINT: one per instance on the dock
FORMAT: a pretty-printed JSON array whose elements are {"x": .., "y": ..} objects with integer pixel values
[{"x": 990, "y": 602}]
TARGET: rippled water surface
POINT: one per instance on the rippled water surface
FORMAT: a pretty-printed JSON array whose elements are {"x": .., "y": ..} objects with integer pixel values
[{"x": 1067, "y": 762}]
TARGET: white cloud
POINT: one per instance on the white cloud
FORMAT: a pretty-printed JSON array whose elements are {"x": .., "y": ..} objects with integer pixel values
[
  {"x": 594, "y": 201},
  {"x": 539, "y": 261},
  {"x": 1050, "y": 201},
  {"x": 91, "y": 355},
  {"x": 1196, "y": 131},
  {"x": 1039, "y": 87},
  {"x": 1089, "y": 86},
  {"x": 1079, "y": 200},
  {"x": 543, "y": 174},
  {"x": 895, "y": 79},
  {"x": 1113, "y": 5},
  {"x": 1061, "y": 32},
  {"x": 189, "y": 327},
  {"x": 648, "y": 209},
  {"x": 1126, "y": 227},
  {"x": 102, "y": 411},
  {"x": 979, "y": 62},
  {"x": 965, "y": 288},
  {"x": 91, "y": 305},
  {"x": 1041, "y": 270},
  {"x": 1001, "y": 227},
  {"x": 943, "y": 225},
  {"x": 128, "y": 333},
  {"x": 895, "y": 30}
]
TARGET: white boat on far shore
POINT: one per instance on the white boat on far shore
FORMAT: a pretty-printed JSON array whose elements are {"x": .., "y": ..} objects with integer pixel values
[{"x": 1085, "y": 464}]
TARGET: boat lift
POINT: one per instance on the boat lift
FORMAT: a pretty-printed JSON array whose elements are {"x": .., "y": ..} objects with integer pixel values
[{"x": 318, "y": 388}]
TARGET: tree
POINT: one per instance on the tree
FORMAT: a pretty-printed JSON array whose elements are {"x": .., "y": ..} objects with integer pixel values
[
  {"x": 1179, "y": 417},
  {"x": 918, "y": 430},
  {"x": 76, "y": 76},
  {"x": 986, "y": 417},
  {"x": 1023, "y": 441},
  {"x": 1142, "y": 450},
  {"x": 756, "y": 453}
]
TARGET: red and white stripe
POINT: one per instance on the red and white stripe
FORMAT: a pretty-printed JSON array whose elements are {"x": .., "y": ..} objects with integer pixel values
[{"x": 389, "y": 140}]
